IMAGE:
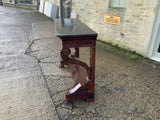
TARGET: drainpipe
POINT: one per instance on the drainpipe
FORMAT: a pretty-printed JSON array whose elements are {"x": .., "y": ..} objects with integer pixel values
[
  {"x": 1, "y": 3},
  {"x": 65, "y": 6},
  {"x": 37, "y": 4},
  {"x": 15, "y": 2}
]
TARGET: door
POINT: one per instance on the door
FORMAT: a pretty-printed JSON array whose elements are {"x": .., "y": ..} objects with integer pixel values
[
  {"x": 156, "y": 54},
  {"x": 154, "y": 46}
]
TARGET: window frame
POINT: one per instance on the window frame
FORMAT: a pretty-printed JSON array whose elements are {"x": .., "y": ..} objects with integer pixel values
[{"x": 117, "y": 3}]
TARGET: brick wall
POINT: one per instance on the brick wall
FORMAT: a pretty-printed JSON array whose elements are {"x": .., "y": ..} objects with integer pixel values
[{"x": 136, "y": 21}]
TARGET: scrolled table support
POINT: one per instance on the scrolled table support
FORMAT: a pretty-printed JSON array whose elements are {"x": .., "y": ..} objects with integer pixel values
[
  {"x": 66, "y": 60},
  {"x": 65, "y": 52}
]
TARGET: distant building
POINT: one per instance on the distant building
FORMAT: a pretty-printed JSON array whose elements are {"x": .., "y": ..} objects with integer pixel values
[{"x": 26, "y": 2}]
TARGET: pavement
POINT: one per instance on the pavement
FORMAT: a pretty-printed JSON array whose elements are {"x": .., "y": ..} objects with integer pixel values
[{"x": 33, "y": 87}]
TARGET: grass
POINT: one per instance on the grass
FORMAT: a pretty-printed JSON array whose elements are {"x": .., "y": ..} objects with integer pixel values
[
  {"x": 133, "y": 57},
  {"x": 38, "y": 60},
  {"x": 114, "y": 48},
  {"x": 29, "y": 46},
  {"x": 50, "y": 49},
  {"x": 104, "y": 87}
]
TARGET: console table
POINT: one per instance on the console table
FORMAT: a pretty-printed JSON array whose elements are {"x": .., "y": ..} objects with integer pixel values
[{"x": 75, "y": 34}]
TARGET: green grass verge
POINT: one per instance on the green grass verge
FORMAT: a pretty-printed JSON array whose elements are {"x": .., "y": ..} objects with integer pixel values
[{"x": 114, "y": 48}]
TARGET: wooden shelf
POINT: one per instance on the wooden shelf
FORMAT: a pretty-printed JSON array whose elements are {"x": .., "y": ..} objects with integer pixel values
[{"x": 79, "y": 74}]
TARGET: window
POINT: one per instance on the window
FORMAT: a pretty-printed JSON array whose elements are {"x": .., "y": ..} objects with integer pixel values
[
  {"x": 159, "y": 48},
  {"x": 117, "y": 3}
]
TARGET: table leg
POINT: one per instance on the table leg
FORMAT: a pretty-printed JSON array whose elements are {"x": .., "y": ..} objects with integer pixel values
[
  {"x": 77, "y": 52},
  {"x": 92, "y": 66},
  {"x": 65, "y": 52}
]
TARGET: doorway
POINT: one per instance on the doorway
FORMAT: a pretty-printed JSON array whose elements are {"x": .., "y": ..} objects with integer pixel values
[{"x": 154, "y": 47}]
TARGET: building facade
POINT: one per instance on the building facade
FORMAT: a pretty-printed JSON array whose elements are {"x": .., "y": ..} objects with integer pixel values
[
  {"x": 25, "y": 2},
  {"x": 138, "y": 28}
]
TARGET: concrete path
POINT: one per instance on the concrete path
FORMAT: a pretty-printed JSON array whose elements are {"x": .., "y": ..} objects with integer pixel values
[
  {"x": 33, "y": 87},
  {"x": 23, "y": 91}
]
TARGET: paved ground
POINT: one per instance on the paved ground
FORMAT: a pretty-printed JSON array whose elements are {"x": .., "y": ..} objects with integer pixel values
[
  {"x": 23, "y": 91},
  {"x": 32, "y": 86}
]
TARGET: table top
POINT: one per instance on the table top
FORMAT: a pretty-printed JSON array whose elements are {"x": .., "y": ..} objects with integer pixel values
[{"x": 72, "y": 28}]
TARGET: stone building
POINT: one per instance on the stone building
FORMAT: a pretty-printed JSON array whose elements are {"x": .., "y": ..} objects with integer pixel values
[
  {"x": 136, "y": 28},
  {"x": 139, "y": 23},
  {"x": 25, "y": 2}
]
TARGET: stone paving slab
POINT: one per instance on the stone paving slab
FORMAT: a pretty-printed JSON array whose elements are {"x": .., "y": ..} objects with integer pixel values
[
  {"x": 24, "y": 96},
  {"x": 43, "y": 30}
]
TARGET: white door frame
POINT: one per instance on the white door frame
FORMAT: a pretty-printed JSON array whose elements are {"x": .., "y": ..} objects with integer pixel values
[{"x": 155, "y": 38}]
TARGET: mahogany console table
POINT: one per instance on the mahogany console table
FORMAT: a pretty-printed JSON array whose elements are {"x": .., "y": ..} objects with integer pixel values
[{"x": 75, "y": 34}]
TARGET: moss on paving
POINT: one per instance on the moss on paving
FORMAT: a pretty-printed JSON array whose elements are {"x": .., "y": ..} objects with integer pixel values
[
  {"x": 132, "y": 55},
  {"x": 114, "y": 48}
]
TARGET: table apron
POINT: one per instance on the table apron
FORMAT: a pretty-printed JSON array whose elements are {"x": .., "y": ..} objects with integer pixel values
[{"x": 77, "y": 44}]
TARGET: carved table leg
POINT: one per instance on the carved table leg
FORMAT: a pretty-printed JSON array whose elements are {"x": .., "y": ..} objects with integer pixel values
[
  {"x": 65, "y": 52},
  {"x": 76, "y": 53}
]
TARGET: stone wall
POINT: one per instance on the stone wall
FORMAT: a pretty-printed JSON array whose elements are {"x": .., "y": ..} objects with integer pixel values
[
  {"x": 57, "y": 2},
  {"x": 135, "y": 28},
  {"x": 25, "y": 6}
]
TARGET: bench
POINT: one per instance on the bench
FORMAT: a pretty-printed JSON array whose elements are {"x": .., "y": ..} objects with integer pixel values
[{"x": 75, "y": 34}]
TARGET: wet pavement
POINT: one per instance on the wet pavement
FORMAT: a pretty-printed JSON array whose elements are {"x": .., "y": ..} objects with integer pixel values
[
  {"x": 23, "y": 91},
  {"x": 33, "y": 86}
]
